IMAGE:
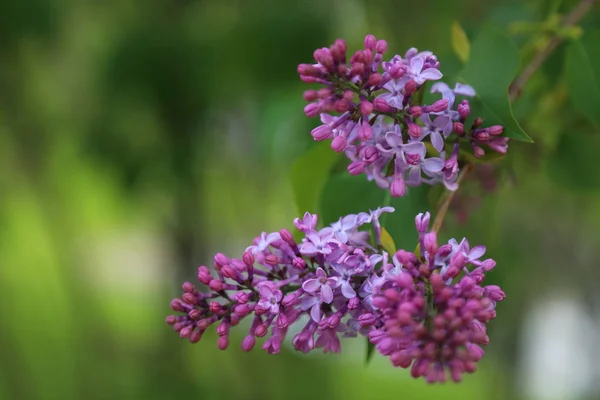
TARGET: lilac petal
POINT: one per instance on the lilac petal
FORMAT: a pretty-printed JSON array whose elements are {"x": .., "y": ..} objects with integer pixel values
[
  {"x": 416, "y": 64},
  {"x": 278, "y": 296},
  {"x": 320, "y": 273},
  {"x": 333, "y": 282},
  {"x": 349, "y": 222},
  {"x": 440, "y": 87},
  {"x": 437, "y": 141},
  {"x": 327, "y": 119},
  {"x": 311, "y": 285},
  {"x": 433, "y": 165},
  {"x": 273, "y": 237},
  {"x": 452, "y": 186},
  {"x": 414, "y": 177},
  {"x": 476, "y": 252},
  {"x": 464, "y": 90},
  {"x": 265, "y": 291},
  {"x": 308, "y": 248},
  {"x": 426, "y": 119},
  {"x": 415, "y": 148},
  {"x": 394, "y": 139},
  {"x": 326, "y": 294},
  {"x": 315, "y": 312},
  {"x": 441, "y": 122},
  {"x": 274, "y": 308},
  {"x": 313, "y": 237},
  {"x": 347, "y": 290},
  {"x": 431, "y": 74}
]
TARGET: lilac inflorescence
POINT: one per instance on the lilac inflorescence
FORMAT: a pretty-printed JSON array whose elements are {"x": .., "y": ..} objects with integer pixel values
[
  {"x": 427, "y": 310},
  {"x": 379, "y": 122}
]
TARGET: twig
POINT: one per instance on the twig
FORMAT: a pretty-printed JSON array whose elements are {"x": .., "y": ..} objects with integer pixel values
[
  {"x": 573, "y": 18},
  {"x": 441, "y": 212}
]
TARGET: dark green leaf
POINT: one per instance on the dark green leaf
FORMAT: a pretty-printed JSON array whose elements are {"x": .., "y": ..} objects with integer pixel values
[
  {"x": 574, "y": 164},
  {"x": 345, "y": 194},
  {"x": 370, "y": 351},
  {"x": 582, "y": 69},
  {"x": 309, "y": 174},
  {"x": 492, "y": 65},
  {"x": 401, "y": 223}
]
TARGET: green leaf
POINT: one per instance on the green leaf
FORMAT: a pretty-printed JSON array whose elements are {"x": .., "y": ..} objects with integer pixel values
[
  {"x": 309, "y": 174},
  {"x": 574, "y": 164},
  {"x": 345, "y": 194},
  {"x": 387, "y": 241},
  {"x": 582, "y": 70},
  {"x": 460, "y": 41},
  {"x": 370, "y": 351},
  {"x": 401, "y": 223},
  {"x": 492, "y": 65}
]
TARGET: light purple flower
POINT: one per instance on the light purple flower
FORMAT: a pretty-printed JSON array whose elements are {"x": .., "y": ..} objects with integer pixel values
[
  {"x": 416, "y": 161},
  {"x": 437, "y": 130},
  {"x": 263, "y": 242},
  {"x": 344, "y": 226},
  {"x": 420, "y": 75},
  {"x": 322, "y": 284},
  {"x": 307, "y": 223},
  {"x": 270, "y": 297},
  {"x": 394, "y": 96},
  {"x": 317, "y": 242}
]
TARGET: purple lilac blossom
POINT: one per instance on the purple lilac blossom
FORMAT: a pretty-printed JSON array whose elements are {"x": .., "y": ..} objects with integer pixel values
[
  {"x": 427, "y": 312},
  {"x": 369, "y": 111}
]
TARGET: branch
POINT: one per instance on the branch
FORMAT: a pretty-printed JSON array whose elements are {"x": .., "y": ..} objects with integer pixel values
[
  {"x": 572, "y": 19},
  {"x": 441, "y": 212}
]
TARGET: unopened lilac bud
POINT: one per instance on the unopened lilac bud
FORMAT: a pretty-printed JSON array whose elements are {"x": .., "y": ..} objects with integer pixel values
[
  {"x": 380, "y": 302},
  {"x": 382, "y": 106},
  {"x": 370, "y": 42},
  {"x": 488, "y": 265},
  {"x": 312, "y": 109},
  {"x": 357, "y": 69},
  {"x": 220, "y": 260},
  {"x": 374, "y": 79},
  {"x": 445, "y": 250},
  {"x": 405, "y": 280},
  {"x": 338, "y": 144},
  {"x": 405, "y": 257},
  {"x": 365, "y": 132},
  {"x": 176, "y": 305},
  {"x": 223, "y": 342},
  {"x": 188, "y": 287},
  {"x": 398, "y": 187},
  {"x": 228, "y": 272},
  {"x": 248, "y": 259},
  {"x": 464, "y": 109},
  {"x": 171, "y": 319},
  {"x": 494, "y": 292},
  {"x": 396, "y": 71},
  {"x": 323, "y": 57},
  {"x": 261, "y": 330},
  {"x": 248, "y": 343},
  {"x": 367, "y": 319},
  {"x": 482, "y": 135},
  {"x": 356, "y": 167},
  {"x": 195, "y": 314},
  {"x": 310, "y": 95},
  {"x": 341, "y": 106},
  {"x": 439, "y": 105},
  {"x": 415, "y": 111},
  {"x": 242, "y": 310},
  {"x": 287, "y": 236},
  {"x": 430, "y": 242},
  {"x": 223, "y": 328},
  {"x": 422, "y": 222},
  {"x": 477, "y": 150},
  {"x": 282, "y": 321},
  {"x": 496, "y": 130},
  {"x": 204, "y": 275},
  {"x": 414, "y": 130},
  {"x": 370, "y": 154},
  {"x": 321, "y": 132},
  {"x": 458, "y": 128},
  {"x": 271, "y": 259},
  {"x": 189, "y": 298},
  {"x": 353, "y": 303},
  {"x": 185, "y": 332},
  {"x": 381, "y": 46},
  {"x": 195, "y": 336},
  {"x": 477, "y": 123},
  {"x": 215, "y": 307},
  {"x": 215, "y": 285},
  {"x": 242, "y": 297},
  {"x": 299, "y": 263},
  {"x": 410, "y": 87},
  {"x": 366, "y": 107},
  {"x": 290, "y": 300}
]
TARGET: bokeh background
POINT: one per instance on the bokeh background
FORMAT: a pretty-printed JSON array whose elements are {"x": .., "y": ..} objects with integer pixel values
[{"x": 137, "y": 138}]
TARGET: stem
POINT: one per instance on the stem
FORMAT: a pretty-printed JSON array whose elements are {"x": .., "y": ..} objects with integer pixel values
[
  {"x": 573, "y": 18},
  {"x": 441, "y": 213}
]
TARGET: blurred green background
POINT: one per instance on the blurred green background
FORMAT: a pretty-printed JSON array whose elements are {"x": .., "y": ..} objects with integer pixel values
[{"x": 137, "y": 138}]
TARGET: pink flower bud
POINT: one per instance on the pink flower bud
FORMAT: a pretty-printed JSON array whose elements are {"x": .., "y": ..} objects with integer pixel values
[
  {"x": 312, "y": 109},
  {"x": 381, "y": 46},
  {"x": 338, "y": 144},
  {"x": 382, "y": 106},
  {"x": 370, "y": 42}
]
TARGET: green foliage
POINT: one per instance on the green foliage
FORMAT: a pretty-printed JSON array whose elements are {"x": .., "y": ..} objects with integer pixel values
[
  {"x": 460, "y": 42},
  {"x": 574, "y": 162},
  {"x": 309, "y": 174},
  {"x": 582, "y": 70},
  {"x": 493, "y": 64}
]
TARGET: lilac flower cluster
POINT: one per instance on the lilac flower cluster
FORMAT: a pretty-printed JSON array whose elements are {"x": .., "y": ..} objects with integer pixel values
[
  {"x": 427, "y": 310},
  {"x": 382, "y": 127}
]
